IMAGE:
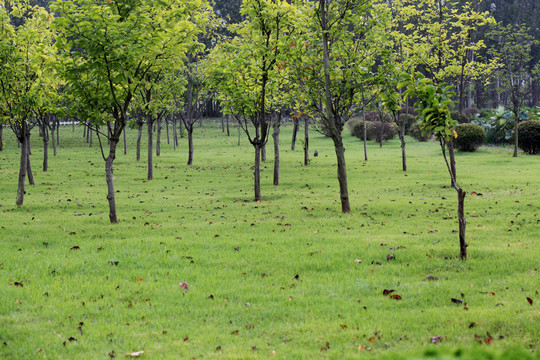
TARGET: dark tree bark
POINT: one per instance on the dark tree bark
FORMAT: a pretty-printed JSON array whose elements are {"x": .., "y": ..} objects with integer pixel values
[
  {"x": 403, "y": 152},
  {"x": 125, "y": 142},
  {"x": 175, "y": 134},
  {"x": 239, "y": 134},
  {"x": 110, "y": 182},
  {"x": 263, "y": 153},
  {"x": 158, "y": 138},
  {"x": 275, "y": 136},
  {"x": 139, "y": 136},
  {"x": 228, "y": 130},
  {"x": 57, "y": 131},
  {"x": 167, "y": 126},
  {"x": 342, "y": 175},
  {"x": 29, "y": 172},
  {"x": 22, "y": 166},
  {"x": 1, "y": 138},
  {"x": 452, "y": 160},
  {"x": 222, "y": 125},
  {"x": 150, "y": 126},
  {"x": 55, "y": 151},
  {"x": 365, "y": 135},
  {"x": 296, "y": 120},
  {"x": 45, "y": 148},
  {"x": 257, "y": 173},
  {"x": 306, "y": 141},
  {"x": 190, "y": 145}
]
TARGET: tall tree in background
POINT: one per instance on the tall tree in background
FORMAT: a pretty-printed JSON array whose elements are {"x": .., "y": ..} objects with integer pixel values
[
  {"x": 246, "y": 71},
  {"x": 26, "y": 58},
  {"x": 108, "y": 49},
  {"x": 336, "y": 47},
  {"x": 513, "y": 47}
]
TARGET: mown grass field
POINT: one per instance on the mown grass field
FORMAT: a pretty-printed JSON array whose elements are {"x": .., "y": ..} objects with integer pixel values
[{"x": 280, "y": 279}]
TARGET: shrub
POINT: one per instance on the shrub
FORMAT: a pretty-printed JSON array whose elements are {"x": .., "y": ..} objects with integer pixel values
[
  {"x": 408, "y": 119},
  {"x": 416, "y": 132},
  {"x": 389, "y": 130},
  {"x": 529, "y": 136},
  {"x": 378, "y": 116},
  {"x": 470, "y": 137},
  {"x": 352, "y": 124},
  {"x": 460, "y": 117},
  {"x": 471, "y": 112}
]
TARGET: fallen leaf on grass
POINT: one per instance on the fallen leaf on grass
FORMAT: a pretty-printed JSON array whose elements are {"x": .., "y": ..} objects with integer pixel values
[
  {"x": 433, "y": 278},
  {"x": 16, "y": 283},
  {"x": 141, "y": 280},
  {"x": 435, "y": 339},
  {"x": 387, "y": 291},
  {"x": 357, "y": 261},
  {"x": 457, "y": 301},
  {"x": 395, "y": 297},
  {"x": 184, "y": 285},
  {"x": 390, "y": 257},
  {"x": 361, "y": 347},
  {"x": 75, "y": 248},
  {"x": 134, "y": 353},
  {"x": 530, "y": 300}
]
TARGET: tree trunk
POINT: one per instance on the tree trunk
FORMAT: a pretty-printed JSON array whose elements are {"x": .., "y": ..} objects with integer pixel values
[
  {"x": 72, "y": 125},
  {"x": 190, "y": 144},
  {"x": 175, "y": 135},
  {"x": 222, "y": 125},
  {"x": 403, "y": 152},
  {"x": 167, "y": 125},
  {"x": 84, "y": 132},
  {"x": 462, "y": 225},
  {"x": 158, "y": 138},
  {"x": 57, "y": 132},
  {"x": 22, "y": 166},
  {"x": 1, "y": 137},
  {"x": 228, "y": 131},
  {"x": 150, "y": 141},
  {"x": 296, "y": 120},
  {"x": 342, "y": 175},
  {"x": 125, "y": 142},
  {"x": 110, "y": 182},
  {"x": 45, "y": 148},
  {"x": 516, "y": 135},
  {"x": 139, "y": 135},
  {"x": 29, "y": 172},
  {"x": 306, "y": 141},
  {"x": 263, "y": 153},
  {"x": 90, "y": 137},
  {"x": 365, "y": 135},
  {"x": 275, "y": 136},
  {"x": 181, "y": 131},
  {"x": 452, "y": 159},
  {"x": 55, "y": 152},
  {"x": 239, "y": 134},
  {"x": 257, "y": 172}
]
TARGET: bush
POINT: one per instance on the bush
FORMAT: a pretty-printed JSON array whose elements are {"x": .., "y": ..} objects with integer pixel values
[
  {"x": 470, "y": 137},
  {"x": 416, "y": 132},
  {"x": 377, "y": 116},
  {"x": 460, "y": 117},
  {"x": 352, "y": 124},
  {"x": 409, "y": 121},
  {"x": 389, "y": 130},
  {"x": 529, "y": 136},
  {"x": 471, "y": 112}
]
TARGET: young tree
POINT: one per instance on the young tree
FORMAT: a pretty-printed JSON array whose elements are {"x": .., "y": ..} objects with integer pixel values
[
  {"x": 247, "y": 69},
  {"x": 513, "y": 47},
  {"x": 108, "y": 50},
  {"x": 336, "y": 49},
  {"x": 25, "y": 58},
  {"x": 434, "y": 102}
]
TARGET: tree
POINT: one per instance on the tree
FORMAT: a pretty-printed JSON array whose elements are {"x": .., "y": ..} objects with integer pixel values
[
  {"x": 513, "y": 46},
  {"x": 108, "y": 50},
  {"x": 247, "y": 71},
  {"x": 434, "y": 102},
  {"x": 336, "y": 49},
  {"x": 26, "y": 55}
]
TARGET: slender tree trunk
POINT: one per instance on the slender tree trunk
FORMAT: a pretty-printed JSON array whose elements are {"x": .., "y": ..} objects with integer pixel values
[
  {"x": 402, "y": 140},
  {"x": 125, "y": 142},
  {"x": 452, "y": 159},
  {"x": 222, "y": 124},
  {"x": 239, "y": 134},
  {"x": 1, "y": 137},
  {"x": 263, "y": 153},
  {"x": 55, "y": 152},
  {"x": 158, "y": 138},
  {"x": 228, "y": 130},
  {"x": 275, "y": 136},
  {"x": 22, "y": 166},
  {"x": 139, "y": 136},
  {"x": 257, "y": 173},
  {"x": 190, "y": 144},
  {"x": 110, "y": 182},
  {"x": 181, "y": 131},
  {"x": 167, "y": 125},
  {"x": 342, "y": 175},
  {"x": 175, "y": 135},
  {"x": 29, "y": 172},
  {"x": 84, "y": 131},
  {"x": 296, "y": 120},
  {"x": 57, "y": 132},
  {"x": 306, "y": 141},
  {"x": 90, "y": 140},
  {"x": 516, "y": 135},
  {"x": 45, "y": 148},
  {"x": 72, "y": 125},
  {"x": 150, "y": 141},
  {"x": 462, "y": 224},
  {"x": 365, "y": 135}
]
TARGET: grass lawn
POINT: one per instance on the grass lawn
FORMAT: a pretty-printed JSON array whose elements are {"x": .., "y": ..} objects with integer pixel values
[{"x": 280, "y": 279}]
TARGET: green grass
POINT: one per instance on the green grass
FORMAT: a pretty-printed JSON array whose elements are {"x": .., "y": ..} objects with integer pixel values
[{"x": 276, "y": 276}]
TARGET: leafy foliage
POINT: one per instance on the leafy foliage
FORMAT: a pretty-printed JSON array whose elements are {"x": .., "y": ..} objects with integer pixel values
[
  {"x": 529, "y": 136},
  {"x": 470, "y": 136}
]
